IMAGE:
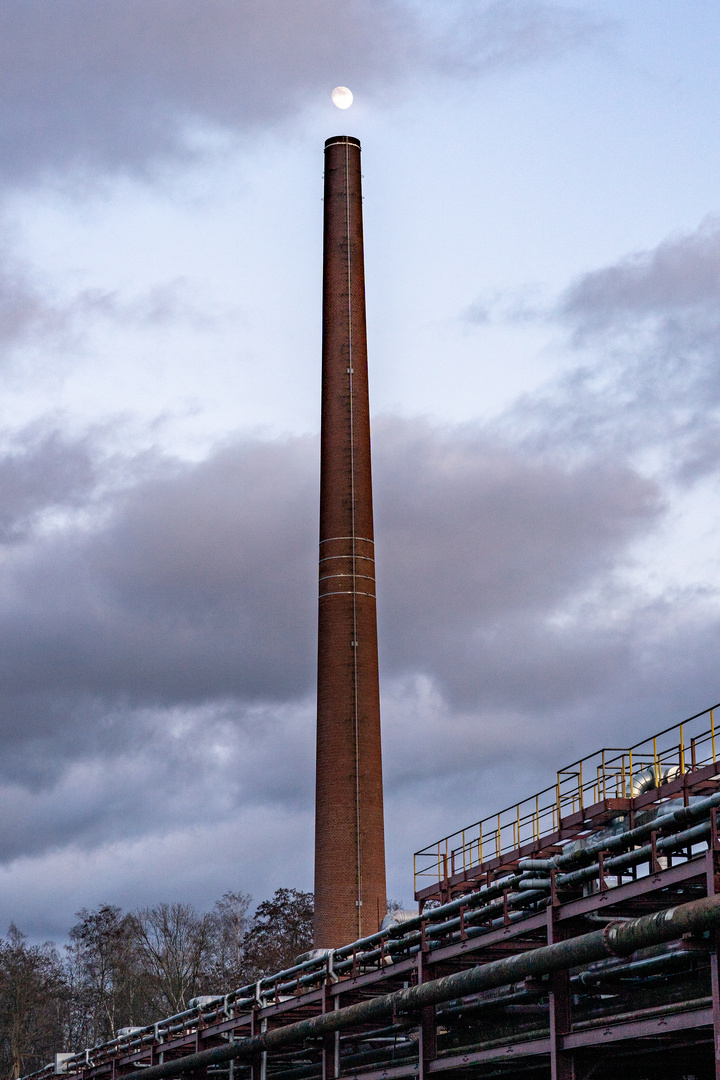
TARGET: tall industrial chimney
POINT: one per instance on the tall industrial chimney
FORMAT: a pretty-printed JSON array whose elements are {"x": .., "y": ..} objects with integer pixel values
[{"x": 350, "y": 896}]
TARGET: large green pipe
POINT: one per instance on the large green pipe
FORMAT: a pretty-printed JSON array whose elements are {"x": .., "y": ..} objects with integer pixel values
[{"x": 616, "y": 939}]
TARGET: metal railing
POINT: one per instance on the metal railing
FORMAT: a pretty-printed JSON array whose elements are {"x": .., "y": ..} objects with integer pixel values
[{"x": 610, "y": 773}]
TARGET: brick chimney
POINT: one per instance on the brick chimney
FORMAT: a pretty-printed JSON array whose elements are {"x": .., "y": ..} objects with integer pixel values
[{"x": 350, "y": 898}]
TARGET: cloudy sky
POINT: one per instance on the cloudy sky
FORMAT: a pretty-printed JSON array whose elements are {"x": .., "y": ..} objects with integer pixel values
[{"x": 542, "y": 211}]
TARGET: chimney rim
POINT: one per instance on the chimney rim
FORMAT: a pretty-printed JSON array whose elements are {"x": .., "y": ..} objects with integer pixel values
[{"x": 342, "y": 139}]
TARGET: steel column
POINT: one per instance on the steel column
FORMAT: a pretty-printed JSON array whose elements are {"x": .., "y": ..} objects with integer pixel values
[
  {"x": 331, "y": 1041},
  {"x": 562, "y": 1062},
  {"x": 427, "y": 1041},
  {"x": 713, "y": 889}
]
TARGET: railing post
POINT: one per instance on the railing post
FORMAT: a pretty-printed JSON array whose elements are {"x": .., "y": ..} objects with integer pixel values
[
  {"x": 657, "y": 764},
  {"x": 630, "y": 789},
  {"x": 581, "y": 793}
]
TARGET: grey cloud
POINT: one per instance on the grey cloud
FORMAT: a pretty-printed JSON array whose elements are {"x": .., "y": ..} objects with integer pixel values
[
  {"x": 680, "y": 275},
  {"x": 257, "y": 851},
  {"x": 31, "y": 313},
  {"x": 522, "y": 305},
  {"x": 197, "y": 585},
  {"x": 471, "y": 37},
  {"x": 644, "y": 338},
  {"x": 200, "y": 584},
  {"x": 484, "y": 543},
  {"x": 194, "y": 585},
  {"x": 181, "y": 766},
  {"x": 157, "y": 652},
  {"x": 25, "y": 312},
  {"x": 167, "y": 302},
  {"x": 118, "y": 84},
  {"x": 41, "y": 472},
  {"x": 478, "y": 313}
]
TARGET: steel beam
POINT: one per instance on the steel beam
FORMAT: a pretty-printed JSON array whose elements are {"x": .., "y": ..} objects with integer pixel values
[{"x": 664, "y": 1023}]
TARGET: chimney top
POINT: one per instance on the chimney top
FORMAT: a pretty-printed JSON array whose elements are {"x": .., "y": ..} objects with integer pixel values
[{"x": 342, "y": 139}]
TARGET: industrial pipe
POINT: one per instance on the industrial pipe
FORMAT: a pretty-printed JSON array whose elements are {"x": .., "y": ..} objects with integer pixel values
[
  {"x": 405, "y": 938},
  {"x": 662, "y": 822},
  {"x": 620, "y": 862},
  {"x": 617, "y": 939}
]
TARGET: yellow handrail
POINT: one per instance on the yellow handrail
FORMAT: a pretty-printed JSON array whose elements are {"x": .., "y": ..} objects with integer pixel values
[{"x": 613, "y": 771}]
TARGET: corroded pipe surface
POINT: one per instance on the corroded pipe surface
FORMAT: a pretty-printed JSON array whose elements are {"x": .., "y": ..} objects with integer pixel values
[{"x": 617, "y": 939}]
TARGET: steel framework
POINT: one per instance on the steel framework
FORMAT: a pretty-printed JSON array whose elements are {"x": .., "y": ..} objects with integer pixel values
[{"x": 592, "y": 951}]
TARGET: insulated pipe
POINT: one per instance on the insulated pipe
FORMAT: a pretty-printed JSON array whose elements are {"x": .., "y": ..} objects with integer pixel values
[
  {"x": 531, "y": 889},
  {"x": 619, "y": 862},
  {"x": 586, "y": 981},
  {"x": 407, "y": 946},
  {"x": 434, "y": 918},
  {"x": 617, "y": 939},
  {"x": 651, "y": 965},
  {"x": 398, "y": 938},
  {"x": 662, "y": 822},
  {"x": 404, "y": 937},
  {"x": 408, "y": 942}
]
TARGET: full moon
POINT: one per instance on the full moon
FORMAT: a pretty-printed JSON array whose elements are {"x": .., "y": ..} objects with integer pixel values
[{"x": 342, "y": 97}]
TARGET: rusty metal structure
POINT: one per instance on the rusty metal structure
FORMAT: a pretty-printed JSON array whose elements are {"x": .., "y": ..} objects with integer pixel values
[
  {"x": 590, "y": 950},
  {"x": 350, "y": 894}
]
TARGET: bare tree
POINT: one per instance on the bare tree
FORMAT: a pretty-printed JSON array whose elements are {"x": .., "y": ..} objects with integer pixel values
[
  {"x": 174, "y": 942},
  {"x": 32, "y": 995},
  {"x": 103, "y": 968},
  {"x": 230, "y": 922},
  {"x": 124, "y": 969}
]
